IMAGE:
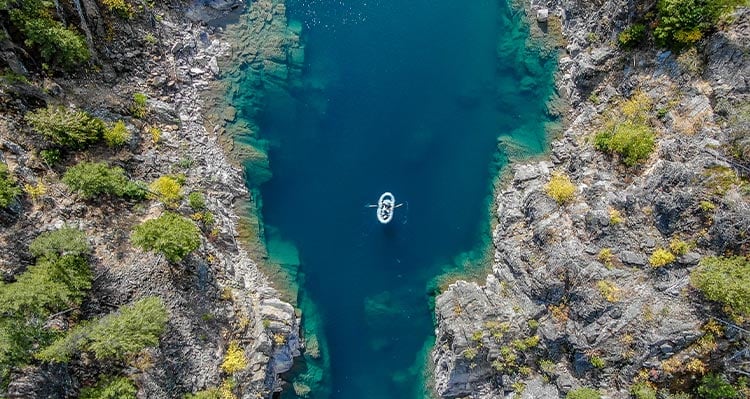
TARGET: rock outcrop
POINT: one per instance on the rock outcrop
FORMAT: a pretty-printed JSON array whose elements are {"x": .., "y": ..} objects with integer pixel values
[{"x": 572, "y": 299}]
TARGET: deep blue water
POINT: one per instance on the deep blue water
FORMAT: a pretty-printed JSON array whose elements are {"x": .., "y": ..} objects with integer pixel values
[{"x": 401, "y": 96}]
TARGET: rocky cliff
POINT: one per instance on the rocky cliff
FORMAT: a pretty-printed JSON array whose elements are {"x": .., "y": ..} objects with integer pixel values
[
  {"x": 574, "y": 298},
  {"x": 216, "y": 295}
]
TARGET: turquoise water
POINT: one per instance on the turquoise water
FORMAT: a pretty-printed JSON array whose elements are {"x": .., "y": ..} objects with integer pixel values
[{"x": 401, "y": 96}]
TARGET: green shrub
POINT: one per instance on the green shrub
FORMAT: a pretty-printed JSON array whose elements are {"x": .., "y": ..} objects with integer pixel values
[
  {"x": 725, "y": 280},
  {"x": 110, "y": 388},
  {"x": 170, "y": 234},
  {"x": 716, "y": 387},
  {"x": 117, "y": 135},
  {"x": 597, "y": 362},
  {"x": 661, "y": 257},
  {"x": 139, "y": 108},
  {"x": 167, "y": 189},
  {"x": 643, "y": 390},
  {"x": 633, "y": 142},
  {"x": 66, "y": 127},
  {"x": 56, "y": 44},
  {"x": 583, "y": 393},
  {"x": 91, "y": 179},
  {"x": 9, "y": 190},
  {"x": 684, "y": 22},
  {"x": 632, "y": 36},
  {"x": 560, "y": 188},
  {"x": 114, "y": 336},
  {"x": 197, "y": 201},
  {"x": 50, "y": 156},
  {"x": 56, "y": 243}
]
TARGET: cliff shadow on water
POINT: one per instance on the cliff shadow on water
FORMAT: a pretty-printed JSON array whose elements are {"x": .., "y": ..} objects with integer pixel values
[{"x": 426, "y": 99}]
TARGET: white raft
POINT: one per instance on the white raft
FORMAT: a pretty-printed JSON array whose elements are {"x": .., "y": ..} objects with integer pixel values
[{"x": 386, "y": 204}]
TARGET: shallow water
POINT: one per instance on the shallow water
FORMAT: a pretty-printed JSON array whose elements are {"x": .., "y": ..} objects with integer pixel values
[{"x": 401, "y": 96}]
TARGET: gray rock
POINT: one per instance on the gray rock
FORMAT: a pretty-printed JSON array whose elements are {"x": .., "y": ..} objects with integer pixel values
[{"x": 633, "y": 258}]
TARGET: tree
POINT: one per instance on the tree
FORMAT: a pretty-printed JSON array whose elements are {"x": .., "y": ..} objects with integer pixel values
[
  {"x": 91, "y": 179},
  {"x": 56, "y": 44},
  {"x": 66, "y": 127},
  {"x": 170, "y": 234},
  {"x": 56, "y": 243},
  {"x": 129, "y": 330},
  {"x": 684, "y": 22}
]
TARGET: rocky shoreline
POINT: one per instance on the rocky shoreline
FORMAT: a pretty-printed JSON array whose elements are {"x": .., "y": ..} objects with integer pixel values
[
  {"x": 218, "y": 295},
  {"x": 572, "y": 300}
]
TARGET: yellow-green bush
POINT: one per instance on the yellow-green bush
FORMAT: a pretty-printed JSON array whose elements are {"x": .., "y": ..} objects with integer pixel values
[
  {"x": 560, "y": 188},
  {"x": 608, "y": 290},
  {"x": 661, "y": 257},
  {"x": 235, "y": 359},
  {"x": 167, "y": 189},
  {"x": 120, "y": 7},
  {"x": 117, "y": 135},
  {"x": 679, "y": 247}
]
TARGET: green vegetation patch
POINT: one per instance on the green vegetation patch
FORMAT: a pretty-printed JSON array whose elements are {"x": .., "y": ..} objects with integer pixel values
[
  {"x": 583, "y": 393},
  {"x": 725, "y": 280},
  {"x": 633, "y": 142},
  {"x": 170, "y": 234},
  {"x": 643, "y": 390},
  {"x": 9, "y": 190},
  {"x": 66, "y": 127},
  {"x": 716, "y": 387},
  {"x": 110, "y": 388},
  {"x": 632, "y": 36},
  {"x": 91, "y": 179}
]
